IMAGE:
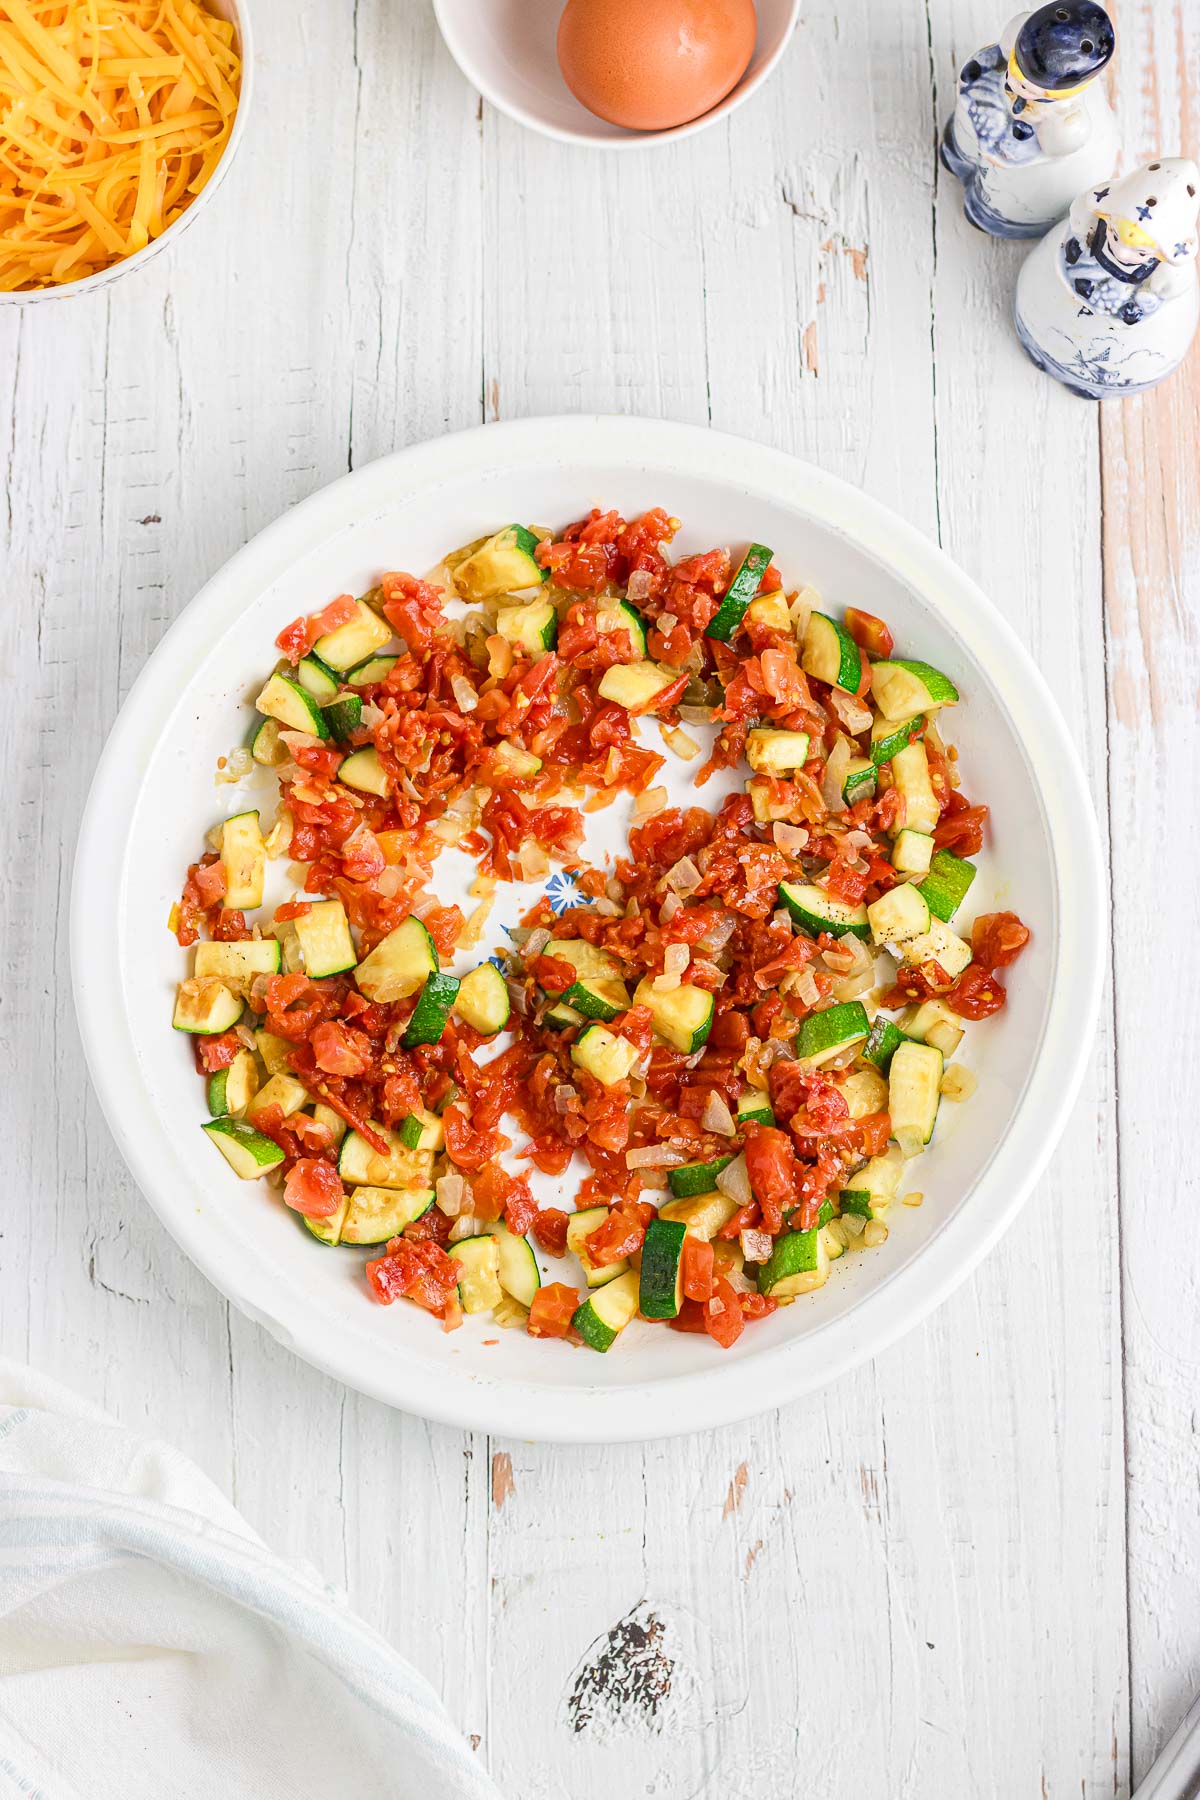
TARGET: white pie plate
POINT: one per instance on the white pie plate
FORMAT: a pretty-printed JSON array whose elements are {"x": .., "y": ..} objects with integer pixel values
[{"x": 154, "y": 797}]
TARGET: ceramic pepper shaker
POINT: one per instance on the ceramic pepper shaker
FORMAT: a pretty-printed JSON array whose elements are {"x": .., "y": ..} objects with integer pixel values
[
  {"x": 1032, "y": 125},
  {"x": 1108, "y": 302}
]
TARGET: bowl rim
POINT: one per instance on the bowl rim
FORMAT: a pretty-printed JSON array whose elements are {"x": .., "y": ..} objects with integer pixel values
[
  {"x": 90, "y": 284},
  {"x": 459, "y": 45},
  {"x": 716, "y": 1394}
]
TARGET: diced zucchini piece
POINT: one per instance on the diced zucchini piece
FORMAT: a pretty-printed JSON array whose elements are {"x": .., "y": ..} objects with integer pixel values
[
  {"x": 681, "y": 1016},
  {"x": 333, "y": 1122},
  {"x": 902, "y": 688},
  {"x": 317, "y": 679},
  {"x": 431, "y": 1011},
  {"x": 598, "y": 992},
  {"x": 816, "y": 911},
  {"x": 264, "y": 745},
  {"x": 660, "y": 1290},
  {"x": 328, "y": 1230},
  {"x": 888, "y": 738},
  {"x": 608, "y": 1057},
  {"x": 798, "y": 1264},
  {"x": 560, "y": 1017},
  {"x": 634, "y": 685},
  {"x": 776, "y": 752},
  {"x": 247, "y": 1151},
  {"x": 739, "y": 593},
  {"x": 945, "y": 887},
  {"x": 276, "y": 1052},
  {"x": 703, "y": 1214},
  {"x": 205, "y": 1007},
  {"x": 244, "y": 858},
  {"x": 879, "y": 1179},
  {"x": 349, "y": 645},
  {"x": 633, "y": 623},
  {"x": 285, "y": 700},
  {"x": 231, "y": 1090},
  {"x": 518, "y": 1269},
  {"x": 482, "y": 1000},
  {"x": 343, "y": 716},
  {"x": 579, "y": 1227},
  {"x": 859, "y": 1201},
  {"x": 914, "y": 1092},
  {"x": 608, "y": 1311},
  {"x": 239, "y": 962},
  {"x": 282, "y": 1090},
  {"x": 912, "y": 852},
  {"x": 399, "y": 963},
  {"x": 373, "y": 670},
  {"x": 834, "y": 1246},
  {"x": 755, "y": 1109},
  {"x": 533, "y": 628},
  {"x": 883, "y": 1041},
  {"x": 422, "y": 1130},
  {"x": 325, "y": 941},
  {"x": 865, "y": 1091},
  {"x": 769, "y": 800},
  {"x": 588, "y": 961},
  {"x": 603, "y": 1000},
  {"x": 376, "y": 1214},
  {"x": 823, "y": 1035},
  {"x": 696, "y": 1177},
  {"x": 512, "y": 763},
  {"x": 860, "y": 780},
  {"x": 910, "y": 772},
  {"x": 940, "y": 945},
  {"x": 933, "y": 1023},
  {"x": 771, "y": 611},
  {"x": 830, "y": 654},
  {"x": 363, "y": 771},
  {"x": 360, "y": 1165},
  {"x": 898, "y": 915},
  {"x": 504, "y": 564},
  {"x": 479, "y": 1284}
]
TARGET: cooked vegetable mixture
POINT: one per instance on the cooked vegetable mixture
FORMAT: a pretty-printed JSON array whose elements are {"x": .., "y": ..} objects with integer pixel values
[{"x": 742, "y": 1029}]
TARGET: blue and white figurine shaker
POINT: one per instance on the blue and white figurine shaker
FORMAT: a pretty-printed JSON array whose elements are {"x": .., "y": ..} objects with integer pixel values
[
  {"x": 1032, "y": 125},
  {"x": 1109, "y": 301}
]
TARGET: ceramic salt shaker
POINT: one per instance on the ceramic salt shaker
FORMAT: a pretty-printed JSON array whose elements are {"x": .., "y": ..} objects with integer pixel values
[
  {"x": 1032, "y": 125},
  {"x": 1109, "y": 301}
]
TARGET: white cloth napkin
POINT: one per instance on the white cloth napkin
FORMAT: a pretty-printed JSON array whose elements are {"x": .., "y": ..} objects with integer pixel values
[{"x": 152, "y": 1648}]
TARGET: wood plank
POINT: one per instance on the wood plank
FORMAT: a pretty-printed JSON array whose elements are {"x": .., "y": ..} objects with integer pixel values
[{"x": 1152, "y": 602}]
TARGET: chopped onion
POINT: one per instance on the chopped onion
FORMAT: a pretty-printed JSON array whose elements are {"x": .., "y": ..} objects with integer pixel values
[
  {"x": 801, "y": 607},
  {"x": 608, "y": 909},
  {"x": 756, "y": 1246},
  {"x": 676, "y": 959},
  {"x": 684, "y": 876},
  {"x": 665, "y": 983},
  {"x": 718, "y": 934},
  {"x": 734, "y": 1182},
  {"x": 651, "y": 800},
  {"x": 517, "y": 996},
  {"x": 565, "y": 1097},
  {"x": 450, "y": 1190},
  {"x": 237, "y": 765},
  {"x": 371, "y": 716},
  {"x": 531, "y": 860},
  {"x": 640, "y": 584},
  {"x": 614, "y": 891},
  {"x": 680, "y": 742},
  {"x": 464, "y": 693},
  {"x": 389, "y": 883},
  {"x": 717, "y": 1116},
  {"x": 464, "y": 1227},
  {"x": 958, "y": 1084},
  {"x": 834, "y": 778},
  {"x": 791, "y": 839},
  {"x": 851, "y": 711},
  {"x": 299, "y": 740},
  {"x": 654, "y": 1156},
  {"x": 667, "y": 622},
  {"x": 669, "y": 908},
  {"x": 536, "y": 942},
  {"x": 857, "y": 840},
  {"x": 696, "y": 715},
  {"x": 806, "y": 987}
]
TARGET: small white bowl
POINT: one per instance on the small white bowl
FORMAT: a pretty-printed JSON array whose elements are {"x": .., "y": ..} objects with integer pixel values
[
  {"x": 154, "y": 797},
  {"x": 238, "y": 11},
  {"x": 507, "y": 49}
]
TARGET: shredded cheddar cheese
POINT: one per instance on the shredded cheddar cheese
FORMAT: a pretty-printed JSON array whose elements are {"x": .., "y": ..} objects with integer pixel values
[{"x": 113, "y": 116}]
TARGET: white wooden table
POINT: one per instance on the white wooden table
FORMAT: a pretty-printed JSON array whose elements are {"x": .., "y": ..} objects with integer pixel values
[{"x": 974, "y": 1567}]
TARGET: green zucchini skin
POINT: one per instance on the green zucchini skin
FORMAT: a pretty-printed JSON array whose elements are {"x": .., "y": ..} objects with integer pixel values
[
  {"x": 432, "y": 1011},
  {"x": 660, "y": 1293},
  {"x": 739, "y": 594}
]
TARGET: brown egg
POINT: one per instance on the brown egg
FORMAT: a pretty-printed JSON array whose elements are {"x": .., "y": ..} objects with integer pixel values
[{"x": 651, "y": 64}]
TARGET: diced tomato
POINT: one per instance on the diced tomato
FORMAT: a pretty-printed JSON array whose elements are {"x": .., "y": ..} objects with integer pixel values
[
  {"x": 419, "y": 1271},
  {"x": 771, "y": 1166},
  {"x": 213, "y": 1053},
  {"x": 554, "y": 1306},
  {"x": 341, "y": 1050},
  {"x": 210, "y": 883},
  {"x": 550, "y": 1230},
  {"x": 960, "y": 827},
  {"x": 697, "y": 1269},
  {"x": 313, "y": 1188},
  {"x": 619, "y": 1236},
  {"x": 724, "y": 1320},
  {"x": 977, "y": 993},
  {"x": 868, "y": 632},
  {"x": 997, "y": 939},
  {"x": 298, "y": 638}
]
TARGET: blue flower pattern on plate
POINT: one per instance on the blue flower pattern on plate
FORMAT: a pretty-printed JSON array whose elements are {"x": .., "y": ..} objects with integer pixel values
[{"x": 560, "y": 890}]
